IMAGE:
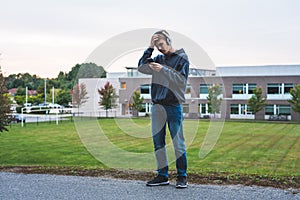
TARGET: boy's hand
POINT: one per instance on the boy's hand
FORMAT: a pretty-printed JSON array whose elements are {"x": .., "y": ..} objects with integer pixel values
[
  {"x": 154, "y": 38},
  {"x": 155, "y": 66}
]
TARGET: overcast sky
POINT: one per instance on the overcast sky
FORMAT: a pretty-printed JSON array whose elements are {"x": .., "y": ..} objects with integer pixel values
[{"x": 45, "y": 37}]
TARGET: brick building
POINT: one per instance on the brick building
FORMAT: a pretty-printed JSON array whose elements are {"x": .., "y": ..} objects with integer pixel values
[{"x": 237, "y": 85}]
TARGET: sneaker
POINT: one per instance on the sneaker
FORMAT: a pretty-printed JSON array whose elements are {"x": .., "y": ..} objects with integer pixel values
[
  {"x": 158, "y": 181},
  {"x": 181, "y": 182}
]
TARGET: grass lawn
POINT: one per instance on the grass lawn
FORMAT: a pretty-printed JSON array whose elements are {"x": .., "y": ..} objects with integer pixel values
[{"x": 243, "y": 147}]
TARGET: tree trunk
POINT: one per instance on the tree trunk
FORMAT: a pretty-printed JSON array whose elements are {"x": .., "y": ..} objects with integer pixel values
[{"x": 135, "y": 113}]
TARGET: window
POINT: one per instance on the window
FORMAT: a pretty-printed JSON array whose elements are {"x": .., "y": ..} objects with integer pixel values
[
  {"x": 185, "y": 108},
  {"x": 288, "y": 87},
  {"x": 221, "y": 87},
  {"x": 234, "y": 109},
  {"x": 144, "y": 108},
  {"x": 251, "y": 88},
  {"x": 145, "y": 89},
  {"x": 280, "y": 88},
  {"x": 243, "y": 109},
  {"x": 123, "y": 85},
  {"x": 243, "y": 88},
  {"x": 238, "y": 88},
  {"x": 269, "y": 110},
  {"x": 279, "y": 110},
  {"x": 204, "y": 88},
  {"x": 284, "y": 109},
  {"x": 188, "y": 89},
  {"x": 240, "y": 109},
  {"x": 249, "y": 110},
  {"x": 274, "y": 88},
  {"x": 130, "y": 73},
  {"x": 203, "y": 108}
]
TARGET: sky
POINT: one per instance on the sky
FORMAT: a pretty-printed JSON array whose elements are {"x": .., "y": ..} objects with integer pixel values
[{"x": 45, "y": 37}]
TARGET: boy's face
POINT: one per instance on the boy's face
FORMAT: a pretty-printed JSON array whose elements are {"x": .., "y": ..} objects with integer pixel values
[{"x": 162, "y": 46}]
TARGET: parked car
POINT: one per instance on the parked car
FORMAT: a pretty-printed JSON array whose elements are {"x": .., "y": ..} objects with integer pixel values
[
  {"x": 55, "y": 105},
  {"x": 44, "y": 104},
  {"x": 27, "y": 104}
]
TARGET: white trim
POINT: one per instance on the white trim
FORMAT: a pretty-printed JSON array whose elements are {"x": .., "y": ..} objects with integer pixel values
[{"x": 248, "y": 116}]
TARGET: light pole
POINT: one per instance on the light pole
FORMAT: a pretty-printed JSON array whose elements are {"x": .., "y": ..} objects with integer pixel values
[
  {"x": 53, "y": 95},
  {"x": 26, "y": 96},
  {"x": 45, "y": 92}
]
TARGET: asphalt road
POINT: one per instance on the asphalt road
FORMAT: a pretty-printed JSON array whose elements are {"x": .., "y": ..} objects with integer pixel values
[{"x": 37, "y": 186}]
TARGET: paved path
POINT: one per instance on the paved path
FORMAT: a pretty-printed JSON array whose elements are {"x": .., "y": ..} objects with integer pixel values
[{"x": 36, "y": 186}]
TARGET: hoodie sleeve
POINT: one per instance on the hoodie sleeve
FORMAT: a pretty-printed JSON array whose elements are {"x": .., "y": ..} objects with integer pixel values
[
  {"x": 179, "y": 74},
  {"x": 143, "y": 66}
]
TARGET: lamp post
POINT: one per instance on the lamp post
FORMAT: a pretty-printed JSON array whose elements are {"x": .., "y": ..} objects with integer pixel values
[
  {"x": 53, "y": 95},
  {"x": 45, "y": 85},
  {"x": 26, "y": 96}
]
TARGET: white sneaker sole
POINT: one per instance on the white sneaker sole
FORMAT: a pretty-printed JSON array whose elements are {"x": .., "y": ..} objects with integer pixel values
[
  {"x": 181, "y": 186},
  {"x": 158, "y": 184}
]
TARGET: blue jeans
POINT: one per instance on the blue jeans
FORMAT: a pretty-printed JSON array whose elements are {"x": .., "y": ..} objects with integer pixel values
[{"x": 171, "y": 115}]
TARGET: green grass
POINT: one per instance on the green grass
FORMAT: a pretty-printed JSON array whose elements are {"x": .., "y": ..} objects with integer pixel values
[
  {"x": 244, "y": 148},
  {"x": 45, "y": 144}
]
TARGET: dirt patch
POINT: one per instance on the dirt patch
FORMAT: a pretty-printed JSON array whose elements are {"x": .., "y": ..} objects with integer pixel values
[{"x": 291, "y": 183}]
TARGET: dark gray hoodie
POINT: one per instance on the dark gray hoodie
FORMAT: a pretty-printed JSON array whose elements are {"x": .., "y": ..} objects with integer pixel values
[{"x": 168, "y": 85}]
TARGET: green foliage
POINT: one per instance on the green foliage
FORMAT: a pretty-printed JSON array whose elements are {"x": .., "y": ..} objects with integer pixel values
[
  {"x": 63, "y": 97},
  {"x": 21, "y": 91},
  {"x": 4, "y": 105},
  {"x": 107, "y": 97},
  {"x": 85, "y": 70},
  {"x": 19, "y": 109},
  {"x": 137, "y": 102},
  {"x": 213, "y": 99},
  {"x": 64, "y": 82},
  {"x": 20, "y": 100},
  {"x": 23, "y": 80},
  {"x": 72, "y": 75},
  {"x": 295, "y": 100},
  {"x": 37, "y": 99},
  {"x": 257, "y": 101},
  {"x": 91, "y": 70}
]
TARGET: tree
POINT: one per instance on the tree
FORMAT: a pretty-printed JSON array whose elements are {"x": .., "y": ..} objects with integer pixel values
[
  {"x": 137, "y": 103},
  {"x": 72, "y": 75},
  {"x": 85, "y": 70},
  {"x": 295, "y": 100},
  {"x": 64, "y": 97},
  {"x": 214, "y": 100},
  {"x": 20, "y": 100},
  {"x": 107, "y": 97},
  {"x": 21, "y": 91},
  {"x": 4, "y": 105},
  {"x": 23, "y": 80},
  {"x": 79, "y": 95},
  {"x": 91, "y": 70},
  {"x": 257, "y": 102}
]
